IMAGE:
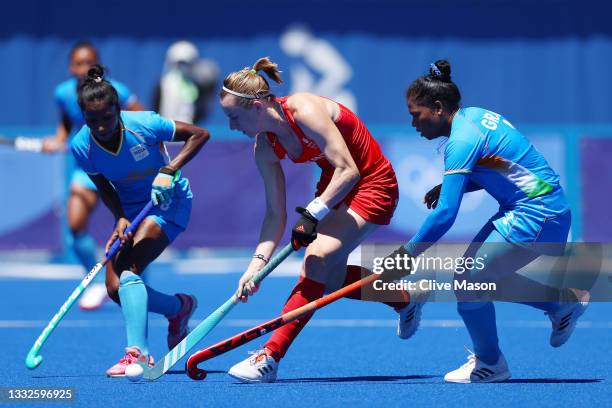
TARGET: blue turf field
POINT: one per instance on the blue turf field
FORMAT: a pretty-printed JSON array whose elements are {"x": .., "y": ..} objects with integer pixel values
[{"x": 348, "y": 354}]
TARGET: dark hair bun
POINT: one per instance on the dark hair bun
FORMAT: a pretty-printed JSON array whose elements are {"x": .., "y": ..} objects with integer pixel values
[
  {"x": 440, "y": 70},
  {"x": 96, "y": 71}
]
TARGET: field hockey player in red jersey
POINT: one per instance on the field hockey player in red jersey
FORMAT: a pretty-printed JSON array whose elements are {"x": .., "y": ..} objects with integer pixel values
[{"x": 357, "y": 192}]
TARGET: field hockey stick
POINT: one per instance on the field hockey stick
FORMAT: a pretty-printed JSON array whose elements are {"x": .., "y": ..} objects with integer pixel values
[
  {"x": 248, "y": 335},
  {"x": 206, "y": 326},
  {"x": 26, "y": 144},
  {"x": 33, "y": 359}
]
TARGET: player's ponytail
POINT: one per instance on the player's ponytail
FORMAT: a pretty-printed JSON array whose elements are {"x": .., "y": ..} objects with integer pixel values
[
  {"x": 95, "y": 88},
  {"x": 436, "y": 86},
  {"x": 271, "y": 69},
  {"x": 248, "y": 84}
]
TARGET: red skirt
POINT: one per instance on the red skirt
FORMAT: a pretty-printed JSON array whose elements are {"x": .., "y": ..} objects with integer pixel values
[{"x": 374, "y": 198}]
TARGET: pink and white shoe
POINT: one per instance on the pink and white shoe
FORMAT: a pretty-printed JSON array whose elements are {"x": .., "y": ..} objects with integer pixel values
[
  {"x": 132, "y": 356},
  {"x": 178, "y": 325}
]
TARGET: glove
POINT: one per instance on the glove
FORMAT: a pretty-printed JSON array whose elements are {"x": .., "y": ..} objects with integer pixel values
[
  {"x": 163, "y": 186},
  {"x": 304, "y": 230},
  {"x": 402, "y": 265}
]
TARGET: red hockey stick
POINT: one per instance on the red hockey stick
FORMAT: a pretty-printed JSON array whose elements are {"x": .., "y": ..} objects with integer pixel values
[{"x": 246, "y": 336}]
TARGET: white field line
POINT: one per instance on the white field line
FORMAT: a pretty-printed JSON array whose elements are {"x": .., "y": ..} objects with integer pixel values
[
  {"x": 18, "y": 270},
  {"x": 41, "y": 271},
  {"x": 246, "y": 323}
]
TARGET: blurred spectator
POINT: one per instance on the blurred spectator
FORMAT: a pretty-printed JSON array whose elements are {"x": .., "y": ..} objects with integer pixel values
[{"x": 187, "y": 84}]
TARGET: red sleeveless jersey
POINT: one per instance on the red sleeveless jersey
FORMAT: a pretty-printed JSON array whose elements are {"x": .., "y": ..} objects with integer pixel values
[{"x": 376, "y": 194}]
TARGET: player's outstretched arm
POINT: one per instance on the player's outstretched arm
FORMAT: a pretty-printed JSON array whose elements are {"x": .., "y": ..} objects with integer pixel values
[
  {"x": 111, "y": 200},
  {"x": 194, "y": 138},
  {"x": 443, "y": 216},
  {"x": 275, "y": 218}
]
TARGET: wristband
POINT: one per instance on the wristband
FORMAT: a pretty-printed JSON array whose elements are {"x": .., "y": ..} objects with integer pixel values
[
  {"x": 261, "y": 257},
  {"x": 167, "y": 170},
  {"x": 317, "y": 209}
]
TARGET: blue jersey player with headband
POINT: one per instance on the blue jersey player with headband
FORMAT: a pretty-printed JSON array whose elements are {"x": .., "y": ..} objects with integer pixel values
[
  {"x": 83, "y": 196},
  {"x": 484, "y": 151},
  {"x": 124, "y": 155}
]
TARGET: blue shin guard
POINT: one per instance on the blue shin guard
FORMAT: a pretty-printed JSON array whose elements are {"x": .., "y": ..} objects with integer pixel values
[{"x": 133, "y": 296}]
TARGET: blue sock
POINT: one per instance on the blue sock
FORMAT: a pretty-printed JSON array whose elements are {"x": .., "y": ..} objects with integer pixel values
[
  {"x": 133, "y": 295},
  {"x": 84, "y": 247},
  {"x": 479, "y": 319},
  {"x": 160, "y": 303}
]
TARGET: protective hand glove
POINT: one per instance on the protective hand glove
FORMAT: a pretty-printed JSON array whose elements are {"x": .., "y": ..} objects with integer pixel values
[
  {"x": 163, "y": 186},
  {"x": 304, "y": 230},
  {"x": 432, "y": 197}
]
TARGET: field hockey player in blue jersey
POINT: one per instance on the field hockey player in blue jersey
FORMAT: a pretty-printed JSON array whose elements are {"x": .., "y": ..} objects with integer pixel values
[
  {"x": 484, "y": 151},
  {"x": 83, "y": 195},
  {"x": 124, "y": 155}
]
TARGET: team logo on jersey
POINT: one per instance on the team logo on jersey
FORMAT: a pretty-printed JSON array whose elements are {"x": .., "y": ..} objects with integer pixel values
[{"x": 139, "y": 152}]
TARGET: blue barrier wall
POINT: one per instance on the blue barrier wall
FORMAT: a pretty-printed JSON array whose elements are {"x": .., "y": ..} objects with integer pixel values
[{"x": 535, "y": 62}]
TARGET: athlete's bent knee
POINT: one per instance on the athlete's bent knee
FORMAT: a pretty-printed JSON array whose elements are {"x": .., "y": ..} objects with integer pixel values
[{"x": 112, "y": 288}]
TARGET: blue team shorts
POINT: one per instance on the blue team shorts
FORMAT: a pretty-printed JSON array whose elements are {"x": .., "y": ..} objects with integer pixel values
[{"x": 172, "y": 216}]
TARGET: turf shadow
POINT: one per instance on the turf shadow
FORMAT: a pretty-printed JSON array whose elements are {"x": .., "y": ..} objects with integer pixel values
[{"x": 367, "y": 378}]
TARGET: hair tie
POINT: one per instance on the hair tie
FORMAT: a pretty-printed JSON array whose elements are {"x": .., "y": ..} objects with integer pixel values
[
  {"x": 253, "y": 71},
  {"x": 435, "y": 69},
  {"x": 97, "y": 79}
]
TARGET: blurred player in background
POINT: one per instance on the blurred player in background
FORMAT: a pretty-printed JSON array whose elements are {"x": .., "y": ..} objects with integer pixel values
[
  {"x": 83, "y": 195},
  {"x": 357, "y": 193},
  {"x": 124, "y": 155},
  {"x": 187, "y": 84},
  {"x": 484, "y": 151}
]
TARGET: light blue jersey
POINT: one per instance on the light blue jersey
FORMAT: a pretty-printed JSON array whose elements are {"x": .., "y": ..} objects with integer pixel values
[
  {"x": 498, "y": 158},
  {"x": 132, "y": 169},
  {"x": 485, "y": 148},
  {"x": 66, "y": 97}
]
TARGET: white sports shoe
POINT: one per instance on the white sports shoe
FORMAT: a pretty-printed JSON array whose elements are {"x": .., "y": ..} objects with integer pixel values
[
  {"x": 259, "y": 368},
  {"x": 476, "y": 371},
  {"x": 410, "y": 316},
  {"x": 95, "y": 295},
  {"x": 564, "y": 320}
]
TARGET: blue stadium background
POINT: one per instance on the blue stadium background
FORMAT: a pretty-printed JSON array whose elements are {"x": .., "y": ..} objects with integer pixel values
[{"x": 541, "y": 64}]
